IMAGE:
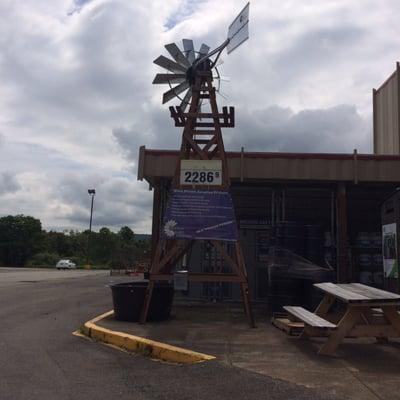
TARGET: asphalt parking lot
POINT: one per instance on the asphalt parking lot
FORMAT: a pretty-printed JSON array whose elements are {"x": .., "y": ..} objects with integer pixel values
[
  {"x": 12, "y": 276},
  {"x": 41, "y": 359}
]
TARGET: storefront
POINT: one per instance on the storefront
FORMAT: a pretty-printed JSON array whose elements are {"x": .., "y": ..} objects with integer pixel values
[{"x": 325, "y": 208}]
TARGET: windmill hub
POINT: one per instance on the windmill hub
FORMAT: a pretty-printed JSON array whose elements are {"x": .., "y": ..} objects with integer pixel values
[{"x": 183, "y": 70}]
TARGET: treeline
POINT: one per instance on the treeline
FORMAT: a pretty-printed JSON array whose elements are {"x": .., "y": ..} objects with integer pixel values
[{"x": 23, "y": 242}]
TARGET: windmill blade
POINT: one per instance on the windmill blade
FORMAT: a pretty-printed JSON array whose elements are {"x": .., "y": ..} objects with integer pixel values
[
  {"x": 177, "y": 55},
  {"x": 169, "y": 78},
  {"x": 224, "y": 78},
  {"x": 189, "y": 50},
  {"x": 204, "y": 49},
  {"x": 186, "y": 100},
  {"x": 167, "y": 96},
  {"x": 170, "y": 65}
]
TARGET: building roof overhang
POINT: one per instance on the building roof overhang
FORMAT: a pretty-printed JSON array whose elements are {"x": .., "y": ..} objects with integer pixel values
[{"x": 265, "y": 166}]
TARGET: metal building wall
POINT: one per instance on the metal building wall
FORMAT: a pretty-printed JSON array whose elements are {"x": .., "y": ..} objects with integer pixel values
[
  {"x": 253, "y": 166},
  {"x": 386, "y": 107}
]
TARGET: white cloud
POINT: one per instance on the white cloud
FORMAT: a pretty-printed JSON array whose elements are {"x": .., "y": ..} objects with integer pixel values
[{"x": 77, "y": 100}]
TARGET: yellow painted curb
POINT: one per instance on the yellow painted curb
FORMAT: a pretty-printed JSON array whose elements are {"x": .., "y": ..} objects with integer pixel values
[{"x": 141, "y": 345}]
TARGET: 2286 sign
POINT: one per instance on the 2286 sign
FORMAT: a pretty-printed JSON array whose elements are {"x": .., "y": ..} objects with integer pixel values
[{"x": 201, "y": 172}]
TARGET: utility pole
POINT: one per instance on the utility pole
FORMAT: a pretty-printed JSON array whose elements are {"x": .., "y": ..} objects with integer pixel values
[{"x": 91, "y": 193}]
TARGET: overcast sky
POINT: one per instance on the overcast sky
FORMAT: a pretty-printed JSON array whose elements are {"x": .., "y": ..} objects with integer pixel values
[{"x": 76, "y": 99}]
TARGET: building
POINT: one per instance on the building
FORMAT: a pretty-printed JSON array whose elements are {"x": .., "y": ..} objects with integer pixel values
[
  {"x": 386, "y": 120},
  {"x": 331, "y": 203}
]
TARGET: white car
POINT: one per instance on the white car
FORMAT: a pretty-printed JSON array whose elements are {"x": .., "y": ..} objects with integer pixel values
[{"x": 65, "y": 264}]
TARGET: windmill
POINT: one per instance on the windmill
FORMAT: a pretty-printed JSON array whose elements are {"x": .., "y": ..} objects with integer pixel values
[
  {"x": 200, "y": 206},
  {"x": 184, "y": 65}
]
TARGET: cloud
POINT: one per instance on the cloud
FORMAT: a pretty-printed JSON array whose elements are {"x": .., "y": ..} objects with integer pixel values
[
  {"x": 65, "y": 204},
  {"x": 118, "y": 201},
  {"x": 55, "y": 190},
  {"x": 183, "y": 11},
  {"x": 8, "y": 183},
  {"x": 332, "y": 130}
]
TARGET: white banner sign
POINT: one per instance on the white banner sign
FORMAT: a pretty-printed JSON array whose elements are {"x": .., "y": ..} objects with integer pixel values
[
  {"x": 389, "y": 244},
  {"x": 201, "y": 172}
]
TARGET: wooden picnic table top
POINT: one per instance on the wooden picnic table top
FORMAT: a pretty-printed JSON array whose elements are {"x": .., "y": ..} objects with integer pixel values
[{"x": 357, "y": 293}]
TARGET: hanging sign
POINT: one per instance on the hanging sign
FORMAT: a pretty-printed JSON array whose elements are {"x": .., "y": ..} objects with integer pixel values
[
  {"x": 181, "y": 280},
  {"x": 201, "y": 172},
  {"x": 389, "y": 243},
  {"x": 200, "y": 214}
]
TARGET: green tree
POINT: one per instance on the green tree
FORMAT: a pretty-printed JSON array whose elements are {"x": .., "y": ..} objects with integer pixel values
[
  {"x": 59, "y": 243},
  {"x": 103, "y": 246},
  {"x": 126, "y": 235},
  {"x": 23, "y": 242},
  {"x": 20, "y": 238}
]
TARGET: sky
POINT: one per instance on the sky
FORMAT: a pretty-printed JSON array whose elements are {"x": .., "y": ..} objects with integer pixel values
[{"x": 76, "y": 98}]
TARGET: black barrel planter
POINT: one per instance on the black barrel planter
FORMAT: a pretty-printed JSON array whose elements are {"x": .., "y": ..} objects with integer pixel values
[{"x": 128, "y": 300}]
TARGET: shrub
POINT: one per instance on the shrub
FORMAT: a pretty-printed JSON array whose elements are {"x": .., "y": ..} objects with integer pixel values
[{"x": 43, "y": 260}]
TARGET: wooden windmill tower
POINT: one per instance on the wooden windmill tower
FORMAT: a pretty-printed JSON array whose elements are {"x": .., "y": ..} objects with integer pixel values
[{"x": 200, "y": 206}]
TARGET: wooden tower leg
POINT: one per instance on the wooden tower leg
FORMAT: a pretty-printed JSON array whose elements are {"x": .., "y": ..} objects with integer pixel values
[
  {"x": 146, "y": 304},
  {"x": 160, "y": 263},
  {"x": 246, "y": 301},
  {"x": 244, "y": 286},
  {"x": 150, "y": 286}
]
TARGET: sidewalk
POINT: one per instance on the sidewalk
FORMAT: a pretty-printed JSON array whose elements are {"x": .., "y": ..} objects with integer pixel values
[{"x": 362, "y": 370}]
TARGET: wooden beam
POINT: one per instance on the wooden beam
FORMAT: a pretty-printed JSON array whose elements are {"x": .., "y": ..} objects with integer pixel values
[
  {"x": 343, "y": 261},
  {"x": 227, "y": 257},
  {"x": 325, "y": 305},
  {"x": 200, "y": 277},
  {"x": 345, "y": 325},
  {"x": 172, "y": 254},
  {"x": 155, "y": 227},
  {"x": 194, "y": 145}
]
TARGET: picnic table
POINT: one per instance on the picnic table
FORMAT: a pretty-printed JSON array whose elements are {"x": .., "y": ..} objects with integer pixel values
[{"x": 369, "y": 312}]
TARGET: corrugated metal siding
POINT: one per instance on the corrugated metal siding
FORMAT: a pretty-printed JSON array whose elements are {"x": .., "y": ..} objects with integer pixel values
[
  {"x": 386, "y": 116},
  {"x": 257, "y": 166}
]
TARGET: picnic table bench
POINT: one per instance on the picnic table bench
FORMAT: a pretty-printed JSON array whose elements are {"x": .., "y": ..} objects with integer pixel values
[
  {"x": 309, "y": 318},
  {"x": 359, "y": 319}
]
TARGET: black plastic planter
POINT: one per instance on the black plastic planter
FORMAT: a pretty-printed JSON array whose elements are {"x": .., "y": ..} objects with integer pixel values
[{"x": 128, "y": 300}]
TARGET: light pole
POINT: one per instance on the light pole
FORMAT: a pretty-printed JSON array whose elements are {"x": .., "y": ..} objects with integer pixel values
[{"x": 91, "y": 193}]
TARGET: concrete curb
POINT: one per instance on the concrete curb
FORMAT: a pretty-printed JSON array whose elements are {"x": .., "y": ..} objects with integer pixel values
[{"x": 141, "y": 345}]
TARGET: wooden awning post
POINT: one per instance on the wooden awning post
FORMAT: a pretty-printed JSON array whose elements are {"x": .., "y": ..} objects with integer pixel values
[
  {"x": 342, "y": 263},
  {"x": 155, "y": 228}
]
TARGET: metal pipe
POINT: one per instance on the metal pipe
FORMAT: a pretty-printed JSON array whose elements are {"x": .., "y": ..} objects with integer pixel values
[
  {"x": 273, "y": 207},
  {"x": 215, "y": 51},
  {"x": 92, "y": 193},
  {"x": 241, "y": 164},
  {"x": 355, "y": 167},
  {"x": 91, "y": 215}
]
